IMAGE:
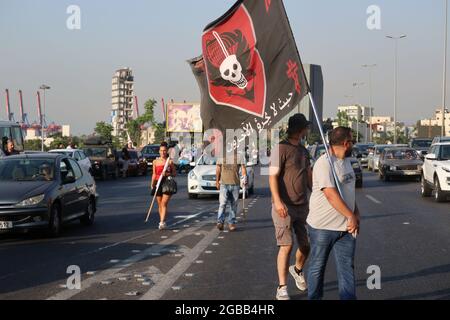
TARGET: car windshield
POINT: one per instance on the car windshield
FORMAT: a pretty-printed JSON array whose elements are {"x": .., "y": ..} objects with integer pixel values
[
  {"x": 421, "y": 144},
  {"x": 27, "y": 169},
  {"x": 65, "y": 153},
  {"x": 363, "y": 148},
  {"x": 151, "y": 150},
  {"x": 207, "y": 161},
  {"x": 95, "y": 152},
  {"x": 445, "y": 153},
  {"x": 402, "y": 154},
  {"x": 379, "y": 150}
]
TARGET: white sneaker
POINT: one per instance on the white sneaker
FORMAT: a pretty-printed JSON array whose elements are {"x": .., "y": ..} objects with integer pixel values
[
  {"x": 162, "y": 226},
  {"x": 282, "y": 293},
  {"x": 299, "y": 278}
]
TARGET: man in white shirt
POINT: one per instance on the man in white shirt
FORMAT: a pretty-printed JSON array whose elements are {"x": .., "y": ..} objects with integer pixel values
[{"x": 333, "y": 221}]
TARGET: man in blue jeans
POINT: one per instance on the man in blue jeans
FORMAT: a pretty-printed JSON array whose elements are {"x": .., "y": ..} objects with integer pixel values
[
  {"x": 333, "y": 221},
  {"x": 228, "y": 182}
]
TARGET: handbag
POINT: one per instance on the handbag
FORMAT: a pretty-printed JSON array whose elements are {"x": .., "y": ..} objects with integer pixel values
[{"x": 169, "y": 186}]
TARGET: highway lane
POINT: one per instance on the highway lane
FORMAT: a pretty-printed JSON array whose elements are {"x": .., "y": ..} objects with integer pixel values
[{"x": 122, "y": 258}]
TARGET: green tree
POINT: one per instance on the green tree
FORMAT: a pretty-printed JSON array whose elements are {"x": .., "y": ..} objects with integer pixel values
[
  {"x": 134, "y": 130},
  {"x": 104, "y": 130},
  {"x": 313, "y": 138},
  {"x": 343, "y": 119},
  {"x": 160, "y": 132},
  {"x": 34, "y": 145}
]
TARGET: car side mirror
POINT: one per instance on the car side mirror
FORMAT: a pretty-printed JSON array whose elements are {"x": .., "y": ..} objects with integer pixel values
[{"x": 431, "y": 156}]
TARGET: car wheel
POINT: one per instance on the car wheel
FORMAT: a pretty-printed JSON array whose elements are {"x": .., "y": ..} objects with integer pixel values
[
  {"x": 425, "y": 189},
  {"x": 145, "y": 173},
  {"x": 89, "y": 216},
  {"x": 439, "y": 196},
  {"x": 386, "y": 178},
  {"x": 359, "y": 184},
  {"x": 193, "y": 196},
  {"x": 54, "y": 226}
]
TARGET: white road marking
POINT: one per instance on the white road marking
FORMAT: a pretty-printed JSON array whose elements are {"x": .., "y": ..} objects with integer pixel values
[
  {"x": 110, "y": 273},
  {"x": 167, "y": 281},
  {"x": 185, "y": 218},
  {"x": 371, "y": 198}
]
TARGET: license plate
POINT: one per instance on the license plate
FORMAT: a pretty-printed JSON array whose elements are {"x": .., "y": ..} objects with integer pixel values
[
  {"x": 410, "y": 173},
  {"x": 6, "y": 225}
]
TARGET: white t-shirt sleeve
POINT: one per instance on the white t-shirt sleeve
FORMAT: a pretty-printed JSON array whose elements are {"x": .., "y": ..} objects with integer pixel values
[{"x": 323, "y": 174}]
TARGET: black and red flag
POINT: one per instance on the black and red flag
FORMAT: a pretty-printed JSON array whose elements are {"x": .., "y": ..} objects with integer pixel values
[{"x": 250, "y": 74}]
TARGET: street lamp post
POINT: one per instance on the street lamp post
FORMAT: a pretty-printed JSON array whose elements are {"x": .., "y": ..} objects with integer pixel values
[
  {"x": 444, "y": 80},
  {"x": 370, "y": 66},
  {"x": 396, "y": 38},
  {"x": 355, "y": 85},
  {"x": 43, "y": 88}
]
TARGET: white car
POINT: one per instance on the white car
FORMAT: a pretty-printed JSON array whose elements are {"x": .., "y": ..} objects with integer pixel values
[
  {"x": 76, "y": 154},
  {"x": 436, "y": 172},
  {"x": 202, "y": 179}
]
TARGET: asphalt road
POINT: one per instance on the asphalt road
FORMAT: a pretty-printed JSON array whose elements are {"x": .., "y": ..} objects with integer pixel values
[{"x": 120, "y": 257}]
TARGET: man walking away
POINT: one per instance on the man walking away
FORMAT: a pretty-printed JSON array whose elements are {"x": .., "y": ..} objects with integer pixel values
[
  {"x": 228, "y": 182},
  {"x": 290, "y": 180},
  {"x": 333, "y": 221}
]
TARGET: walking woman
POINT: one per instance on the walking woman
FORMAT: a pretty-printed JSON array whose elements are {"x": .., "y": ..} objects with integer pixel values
[{"x": 168, "y": 185}]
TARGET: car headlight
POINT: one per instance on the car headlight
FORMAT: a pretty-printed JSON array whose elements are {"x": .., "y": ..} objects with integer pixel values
[
  {"x": 446, "y": 169},
  {"x": 31, "y": 201},
  {"x": 192, "y": 175},
  {"x": 355, "y": 165},
  {"x": 393, "y": 168}
]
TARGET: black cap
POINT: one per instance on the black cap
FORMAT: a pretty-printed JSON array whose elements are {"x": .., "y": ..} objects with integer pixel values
[{"x": 297, "y": 122}]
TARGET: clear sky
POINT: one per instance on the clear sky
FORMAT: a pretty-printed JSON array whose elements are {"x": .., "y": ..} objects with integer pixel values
[{"x": 155, "y": 38}]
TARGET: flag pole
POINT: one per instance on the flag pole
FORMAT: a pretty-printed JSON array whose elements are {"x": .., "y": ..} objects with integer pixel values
[
  {"x": 322, "y": 135},
  {"x": 157, "y": 188}
]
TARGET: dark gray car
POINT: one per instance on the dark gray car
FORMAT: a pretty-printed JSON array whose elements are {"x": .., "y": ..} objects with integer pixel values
[
  {"x": 44, "y": 191},
  {"x": 400, "y": 161}
]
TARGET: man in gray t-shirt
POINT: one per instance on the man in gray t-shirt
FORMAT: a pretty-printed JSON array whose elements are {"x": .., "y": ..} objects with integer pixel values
[{"x": 333, "y": 221}]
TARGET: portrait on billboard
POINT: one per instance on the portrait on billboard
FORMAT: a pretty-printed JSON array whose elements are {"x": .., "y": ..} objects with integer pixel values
[{"x": 184, "y": 117}]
